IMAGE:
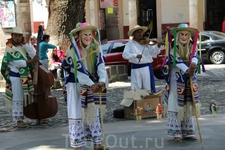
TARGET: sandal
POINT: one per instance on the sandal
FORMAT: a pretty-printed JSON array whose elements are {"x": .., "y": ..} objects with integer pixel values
[
  {"x": 45, "y": 121},
  {"x": 101, "y": 147},
  {"x": 21, "y": 124},
  {"x": 177, "y": 139}
]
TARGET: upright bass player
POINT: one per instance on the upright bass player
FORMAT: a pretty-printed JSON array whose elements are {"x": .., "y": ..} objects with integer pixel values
[
  {"x": 15, "y": 68},
  {"x": 44, "y": 105}
]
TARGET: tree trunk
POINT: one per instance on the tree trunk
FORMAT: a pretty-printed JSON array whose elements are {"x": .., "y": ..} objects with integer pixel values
[{"x": 63, "y": 17}]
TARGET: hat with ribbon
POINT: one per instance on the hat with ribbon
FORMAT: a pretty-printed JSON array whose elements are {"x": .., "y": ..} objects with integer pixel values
[
  {"x": 137, "y": 27},
  {"x": 83, "y": 26},
  {"x": 184, "y": 27},
  {"x": 18, "y": 30}
]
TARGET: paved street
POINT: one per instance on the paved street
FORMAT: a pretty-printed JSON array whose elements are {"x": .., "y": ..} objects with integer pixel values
[
  {"x": 211, "y": 86},
  {"x": 120, "y": 135}
]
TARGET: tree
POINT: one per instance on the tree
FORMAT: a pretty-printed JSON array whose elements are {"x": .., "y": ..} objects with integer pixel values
[{"x": 63, "y": 17}]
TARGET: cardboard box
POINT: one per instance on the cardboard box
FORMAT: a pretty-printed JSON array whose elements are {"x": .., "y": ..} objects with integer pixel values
[{"x": 148, "y": 103}]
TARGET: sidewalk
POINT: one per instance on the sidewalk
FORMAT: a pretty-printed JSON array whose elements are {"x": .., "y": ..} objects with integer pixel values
[{"x": 120, "y": 135}]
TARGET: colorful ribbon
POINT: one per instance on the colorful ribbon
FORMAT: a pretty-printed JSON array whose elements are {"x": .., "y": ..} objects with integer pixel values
[
  {"x": 194, "y": 45},
  {"x": 174, "y": 47},
  {"x": 166, "y": 49}
]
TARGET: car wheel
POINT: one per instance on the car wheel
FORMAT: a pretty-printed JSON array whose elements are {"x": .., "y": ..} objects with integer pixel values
[{"x": 217, "y": 57}]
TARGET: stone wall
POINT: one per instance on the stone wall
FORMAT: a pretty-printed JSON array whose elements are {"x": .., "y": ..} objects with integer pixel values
[{"x": 117, "y": 73}]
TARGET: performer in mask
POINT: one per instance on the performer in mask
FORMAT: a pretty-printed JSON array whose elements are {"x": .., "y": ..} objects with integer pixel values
[
  {"x": 86, "y": 83},
  {"x": 177, "y": 71}
]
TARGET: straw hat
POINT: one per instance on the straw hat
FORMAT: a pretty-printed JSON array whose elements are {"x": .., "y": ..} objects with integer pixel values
[
  {"x": 18, "y": 30},
  {"x": 184, "y": 27},
  {"x": 83, "y": 26},
  {"x": 137, "y": 27}
]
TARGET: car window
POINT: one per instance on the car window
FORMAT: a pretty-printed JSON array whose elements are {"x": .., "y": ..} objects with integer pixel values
[
  {"x": 105, "y": 47},
  {"x": 204, "y": 38},
  {"x": 118, "y": 47}
]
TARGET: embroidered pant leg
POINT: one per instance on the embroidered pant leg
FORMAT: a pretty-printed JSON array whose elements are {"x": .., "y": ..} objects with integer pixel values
[
  {"x": 176, "y": 128},
  {"x": 74, "y": 111},
  {"x": 188, "y": 127},
  {"x": 17, "y": 100},
  {"x": 93, "y": 131},
  {"x": 76, "y": 133},
  {"x": 173, "y": 125}
]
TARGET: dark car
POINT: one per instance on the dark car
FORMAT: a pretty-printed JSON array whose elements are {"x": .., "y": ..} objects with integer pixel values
[
  {"x": 212, "y": 46},
  {"x": 113, "y": 53}
]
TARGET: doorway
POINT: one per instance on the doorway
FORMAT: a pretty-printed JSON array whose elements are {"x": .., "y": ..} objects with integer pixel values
[
  {"x": 214, "y": 14},
  {"x": 147, "y": 16},
  {"x": 112, "y": 24}
]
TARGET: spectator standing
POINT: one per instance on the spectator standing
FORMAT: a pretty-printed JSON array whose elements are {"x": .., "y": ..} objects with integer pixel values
[{"x": 43, "y": 50}]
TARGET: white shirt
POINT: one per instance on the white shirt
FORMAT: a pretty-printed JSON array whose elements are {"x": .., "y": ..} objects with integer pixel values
[{"x": 133, "y": 48}]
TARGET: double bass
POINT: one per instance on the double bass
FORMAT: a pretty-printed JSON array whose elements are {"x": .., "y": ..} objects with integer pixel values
[{"x": 44, "y": 105}]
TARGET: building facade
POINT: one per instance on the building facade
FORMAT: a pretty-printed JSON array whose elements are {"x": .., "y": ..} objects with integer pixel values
[
  {"x": 118, "y": 16},
  {"x": 114, "y": 18}
]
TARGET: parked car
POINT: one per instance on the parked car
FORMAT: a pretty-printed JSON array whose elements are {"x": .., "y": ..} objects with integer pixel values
[
  {"x": 212, "y": 46},
  {"x": 113, "y": 53}
]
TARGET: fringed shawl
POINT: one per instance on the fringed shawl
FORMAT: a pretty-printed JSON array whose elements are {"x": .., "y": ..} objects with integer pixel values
[
  {"x": 89, "y": 100},
  {"x": 17, "y": 53},
  {"x": 184, "y": 107}
]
